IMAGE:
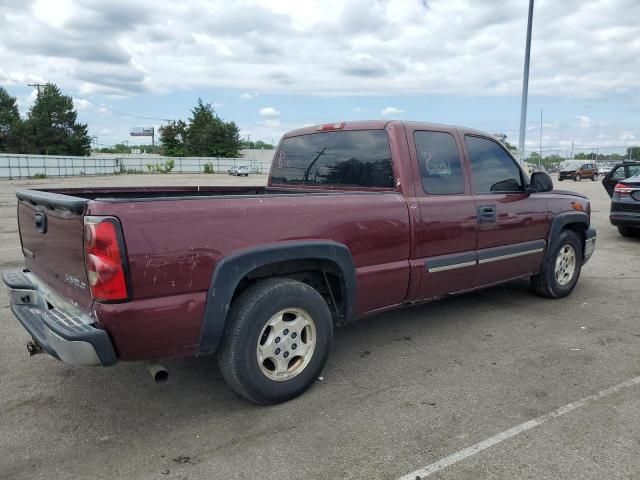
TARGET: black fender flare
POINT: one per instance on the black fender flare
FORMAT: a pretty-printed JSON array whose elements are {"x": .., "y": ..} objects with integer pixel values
[
  {"x": 561, "y": 220},
  {"x": 233, "y": 268}
]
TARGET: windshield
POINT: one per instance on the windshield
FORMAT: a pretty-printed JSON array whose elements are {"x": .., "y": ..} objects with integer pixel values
[{"x": 571, "y": 164}]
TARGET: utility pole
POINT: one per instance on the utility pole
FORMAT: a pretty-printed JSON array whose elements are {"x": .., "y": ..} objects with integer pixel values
[
  {"x": 525, "y": 84},
  {"x": 36, "y": 85},
  {"x": 572, "y": 150}
]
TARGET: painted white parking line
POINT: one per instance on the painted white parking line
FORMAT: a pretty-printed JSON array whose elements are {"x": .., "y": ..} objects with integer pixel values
[{"x": 512, "y": 432}]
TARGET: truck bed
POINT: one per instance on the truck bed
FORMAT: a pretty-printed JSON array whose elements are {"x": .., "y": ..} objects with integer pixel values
[{"x": 74, "y": 199}]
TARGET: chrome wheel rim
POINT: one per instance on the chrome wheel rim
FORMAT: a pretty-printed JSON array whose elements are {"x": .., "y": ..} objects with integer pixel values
[
  {"x": 286, "y": 344},
  {"x": 565, "y": 265}
]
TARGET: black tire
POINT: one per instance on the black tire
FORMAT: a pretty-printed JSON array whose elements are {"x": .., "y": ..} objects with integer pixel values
[
  {"x": 248, "y": 315},
  {"x": 594, "y": 178},
  {"x": 545, "y": 282},
  {"x": 577, "y": 178},
  {"x": 560, "y": 179},
  {"x": 628, "y": 231}
]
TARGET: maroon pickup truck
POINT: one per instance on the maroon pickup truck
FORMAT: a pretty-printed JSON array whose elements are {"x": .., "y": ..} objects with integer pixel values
[{"x": 357, "y": 218}]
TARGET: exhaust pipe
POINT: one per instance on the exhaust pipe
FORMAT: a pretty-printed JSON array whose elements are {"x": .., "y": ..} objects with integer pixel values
[
  {"x": 158, "y": 372},
  {"x": 33, "y": 348}
]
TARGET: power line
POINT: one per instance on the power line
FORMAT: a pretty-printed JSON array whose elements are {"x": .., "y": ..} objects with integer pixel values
[{"x": 125, "y": 114}]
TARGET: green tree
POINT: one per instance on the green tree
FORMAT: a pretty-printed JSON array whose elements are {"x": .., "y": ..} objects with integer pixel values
[
  {"x": 633, "y": 153},
  {"x": 173, "y": 138},
  {"x": 204, "y": 135},
  {"x": 260, "y": 145},
  {"x": 51, "y": 127},
  {"x": 533, "y": 157},
  {"x": 10, "y": 123}
]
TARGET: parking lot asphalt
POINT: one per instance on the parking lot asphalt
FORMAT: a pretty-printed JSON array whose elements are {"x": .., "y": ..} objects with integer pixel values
[{"x": 401, "y": 392}]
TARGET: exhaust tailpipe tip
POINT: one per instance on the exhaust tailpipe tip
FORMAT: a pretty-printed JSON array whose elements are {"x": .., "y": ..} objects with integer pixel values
[{"x": 158, "y": 372}]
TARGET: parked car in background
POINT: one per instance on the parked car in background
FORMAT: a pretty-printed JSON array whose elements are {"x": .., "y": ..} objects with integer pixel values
[
  {"x": 604, "y": 168},
  {"x": 577, "y": 170},
  {"x": 240, "y": 171},
  {"x": 623, "y": 186},
  {"x": 357, "y": 218}
]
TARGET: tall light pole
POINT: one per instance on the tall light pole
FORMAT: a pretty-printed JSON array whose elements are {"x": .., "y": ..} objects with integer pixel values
[{"x": 525, "y": 84}]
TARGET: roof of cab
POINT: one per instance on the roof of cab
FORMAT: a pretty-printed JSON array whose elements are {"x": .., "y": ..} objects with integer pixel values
[{"x": 380, "y": 125}]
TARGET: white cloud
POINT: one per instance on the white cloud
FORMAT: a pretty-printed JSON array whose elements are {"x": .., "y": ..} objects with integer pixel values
[
  {"x": 269, "y": 112},
  {"x": 80, "y": 104},
  {"x": 627, "y": 136},
  {"x": 396, "y": 47},
  {"x": 245, "y": 96},
  {"x": 583, "y": 121},
  {"x": 391, "y": 111},
  {"x": 357, "y": 109}
]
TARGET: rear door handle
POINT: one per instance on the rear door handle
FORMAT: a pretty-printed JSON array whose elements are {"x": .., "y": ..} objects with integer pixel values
[{"x": 487, "y": 213}]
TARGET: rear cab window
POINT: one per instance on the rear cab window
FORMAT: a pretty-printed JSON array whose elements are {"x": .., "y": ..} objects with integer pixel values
[
  {"x": 440, "y": 163},
  {"x": 493, "y": 170},
  {"x": 351, "y": 158}
]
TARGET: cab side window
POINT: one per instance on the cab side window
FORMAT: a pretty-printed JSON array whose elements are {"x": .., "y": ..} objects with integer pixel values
[
  {"x": 440, "y": 164},
  {"x": 493, "y": 169}
]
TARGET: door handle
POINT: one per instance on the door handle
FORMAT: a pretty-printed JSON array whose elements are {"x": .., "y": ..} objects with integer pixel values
[{"x": 487, "y": 213}]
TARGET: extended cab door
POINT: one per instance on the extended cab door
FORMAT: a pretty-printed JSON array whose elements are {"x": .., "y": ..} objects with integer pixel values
[
  {"x": 446, "y": 231},
  {"x": 619, "y": 172},
  {"x": 512, "y": 224}
]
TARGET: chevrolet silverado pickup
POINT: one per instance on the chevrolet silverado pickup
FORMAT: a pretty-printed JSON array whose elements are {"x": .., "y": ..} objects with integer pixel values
[{"x": 356, "y": 218}]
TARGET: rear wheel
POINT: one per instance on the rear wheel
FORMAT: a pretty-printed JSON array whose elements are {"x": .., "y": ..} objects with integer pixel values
[
  {"x": 277, "y": 340},
  {"x": 561, "y": 267},
  {"x": 628, "y": 231},
  {"x": 577, "y": 178}
]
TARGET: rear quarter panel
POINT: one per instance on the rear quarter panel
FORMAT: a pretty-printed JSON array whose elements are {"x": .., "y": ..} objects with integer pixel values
[{"x": 173, "y": 247}]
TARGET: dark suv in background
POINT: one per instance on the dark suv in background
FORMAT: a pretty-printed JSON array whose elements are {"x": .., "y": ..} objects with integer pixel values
[
  {"x": 577, "y": 170},
  {"x": 622, "y": 184}
]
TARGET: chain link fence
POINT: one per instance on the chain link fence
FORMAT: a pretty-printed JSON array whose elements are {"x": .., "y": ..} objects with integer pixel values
[{"x": 41, "y": 166}]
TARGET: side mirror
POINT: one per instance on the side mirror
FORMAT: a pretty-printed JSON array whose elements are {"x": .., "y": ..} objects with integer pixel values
[{"x": 540, "y": 182}]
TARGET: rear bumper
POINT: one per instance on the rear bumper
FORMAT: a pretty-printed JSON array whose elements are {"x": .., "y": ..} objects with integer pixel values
[
  {"x": 56, "y": 325},
  {"x": 625, "y": 218}
]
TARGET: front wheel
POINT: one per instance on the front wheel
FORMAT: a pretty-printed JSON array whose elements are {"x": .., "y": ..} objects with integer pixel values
[
  {"x": 277, "y": 340},
  {"x": 561, "y": 267},
  {"x": 628, "y": 231},
  {"x": 577, "y": 178},
  {"x": 594, "y": 178}
]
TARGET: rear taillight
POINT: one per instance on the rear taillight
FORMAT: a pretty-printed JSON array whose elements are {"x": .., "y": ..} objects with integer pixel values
[
  {"x": 621, "y": 188},
  {"x": 105, "y": 259}
]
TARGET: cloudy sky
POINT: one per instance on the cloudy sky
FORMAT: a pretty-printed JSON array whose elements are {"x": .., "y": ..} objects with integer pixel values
[{"x": 274, "y": 65}]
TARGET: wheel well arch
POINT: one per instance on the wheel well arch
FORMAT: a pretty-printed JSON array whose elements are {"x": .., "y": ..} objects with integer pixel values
[
  {"x": 325, "y": 265},
  {"x": 578, "y": 222}
]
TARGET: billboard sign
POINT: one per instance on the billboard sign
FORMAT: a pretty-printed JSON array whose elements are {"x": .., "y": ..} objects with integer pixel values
[{"x": 141, "y": 132}]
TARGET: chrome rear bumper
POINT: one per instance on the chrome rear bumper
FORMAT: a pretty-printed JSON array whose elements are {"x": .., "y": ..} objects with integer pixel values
[{"x": 55, "y": 324}]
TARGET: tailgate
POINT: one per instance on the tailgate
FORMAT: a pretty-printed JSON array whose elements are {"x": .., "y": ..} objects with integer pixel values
[{"x": 52, "y": 234}]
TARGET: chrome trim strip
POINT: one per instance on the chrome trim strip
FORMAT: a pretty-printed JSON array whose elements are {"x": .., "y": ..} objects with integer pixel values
[
  {"x": 510, "y": 255},
  {"x": 451, "y": 267}
]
